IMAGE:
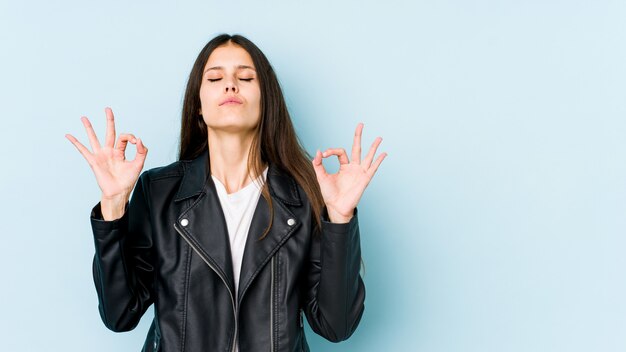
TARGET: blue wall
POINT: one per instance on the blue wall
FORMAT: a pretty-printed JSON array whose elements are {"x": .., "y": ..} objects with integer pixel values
[{"x": 496, "y": 223}]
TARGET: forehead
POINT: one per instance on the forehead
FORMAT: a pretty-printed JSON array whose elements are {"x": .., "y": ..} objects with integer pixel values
[{"x": 228, "y": 56}]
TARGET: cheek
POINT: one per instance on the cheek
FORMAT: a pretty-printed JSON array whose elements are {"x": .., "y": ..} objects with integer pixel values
[
  {"x": 206, "y": 96},
  {"x": 203, "y": 94},
  {"x": 257, "y": 98}
]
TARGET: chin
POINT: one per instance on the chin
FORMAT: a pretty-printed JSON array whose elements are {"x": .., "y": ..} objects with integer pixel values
[
  {"x": 232, "y": 127},
  {"x": 230, "y": 120}
]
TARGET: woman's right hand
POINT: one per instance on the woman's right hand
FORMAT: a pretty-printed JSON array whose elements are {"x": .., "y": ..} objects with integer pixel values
[{"x": 115, "y": 175}]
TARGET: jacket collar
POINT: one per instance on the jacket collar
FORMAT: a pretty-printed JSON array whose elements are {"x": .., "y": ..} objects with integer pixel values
[
  {"x": 206, "y": 231},
  {"x": 195, "y": 181}
]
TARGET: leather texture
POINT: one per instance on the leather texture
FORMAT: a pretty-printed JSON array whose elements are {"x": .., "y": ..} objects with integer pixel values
[{"x": 171, "y": 249}]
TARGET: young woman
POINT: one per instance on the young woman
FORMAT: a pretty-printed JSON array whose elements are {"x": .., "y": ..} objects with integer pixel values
[{"x": 239, "y": 237}]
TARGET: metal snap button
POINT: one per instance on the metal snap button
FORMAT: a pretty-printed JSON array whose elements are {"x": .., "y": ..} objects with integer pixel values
[
  {"x": 290, "y": 222},
  {"x": 184, "y": 222}
]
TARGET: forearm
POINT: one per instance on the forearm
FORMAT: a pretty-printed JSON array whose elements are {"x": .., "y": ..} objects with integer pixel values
[
  {"x": 336, "y": 291},
  {"x": 121, "y": 298}
]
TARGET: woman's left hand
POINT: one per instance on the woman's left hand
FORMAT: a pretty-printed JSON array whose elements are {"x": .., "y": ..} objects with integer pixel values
[{"x": 343, "y": 190}]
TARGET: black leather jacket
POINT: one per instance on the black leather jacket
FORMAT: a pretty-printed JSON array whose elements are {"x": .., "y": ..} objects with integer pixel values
[{"x": 171, "y": 248}]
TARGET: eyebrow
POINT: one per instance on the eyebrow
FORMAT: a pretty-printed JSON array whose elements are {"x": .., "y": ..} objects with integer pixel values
[{"x": 239, "y": 67}]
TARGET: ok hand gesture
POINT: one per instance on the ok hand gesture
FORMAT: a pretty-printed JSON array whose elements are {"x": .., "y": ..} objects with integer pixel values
[
  {"x": 115, "y": 175},
  {"x": 343, "y": 190}
]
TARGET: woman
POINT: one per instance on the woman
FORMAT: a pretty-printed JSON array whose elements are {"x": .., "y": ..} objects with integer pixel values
[{"x": 233, "y": 260}]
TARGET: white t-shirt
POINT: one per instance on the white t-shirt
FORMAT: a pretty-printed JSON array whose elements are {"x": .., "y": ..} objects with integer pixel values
[{"x": 238, "y": 209}]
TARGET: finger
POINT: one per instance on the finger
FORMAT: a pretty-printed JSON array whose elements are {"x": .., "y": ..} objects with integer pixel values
[
  {"x": 356, "y": 146},
  {"x": 93, "y": 139},
  {"x": 81, "y": 148},
  {"x": 123, "y": 140},
  {"x": 372, "y": 170},
  {"x": 142, "y": 152},
  {"x": 110, "y": 134},
  {"x": 340, "y": 152},
  {"x": 320, "y": 171},
  {"x": 370, "y": 155}
]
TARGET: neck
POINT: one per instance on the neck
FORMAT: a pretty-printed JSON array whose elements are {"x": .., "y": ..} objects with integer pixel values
[{"x": 228, "y": 159}]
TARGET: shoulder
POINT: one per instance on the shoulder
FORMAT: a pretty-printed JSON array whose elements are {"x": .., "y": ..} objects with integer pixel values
[
  {"x": 174, "y": 170},
  {"x": 284, "y": 186},
  {"x": 160, "y": 181}
]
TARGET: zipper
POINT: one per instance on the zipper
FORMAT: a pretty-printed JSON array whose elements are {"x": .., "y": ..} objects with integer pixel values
[
  {"x": 272, "y": 308},
  {"x": 232, "y": 299}
]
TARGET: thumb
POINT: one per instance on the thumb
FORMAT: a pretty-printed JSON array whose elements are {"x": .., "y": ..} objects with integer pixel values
[
  {"x": 142, "y": 151},
  {"x": 320, "y": 171}
]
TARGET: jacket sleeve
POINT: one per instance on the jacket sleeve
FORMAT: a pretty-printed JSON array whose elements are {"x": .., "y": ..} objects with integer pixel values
[
  {"x": 335, "y": 291},
  {"x": 123, "y": 269}
]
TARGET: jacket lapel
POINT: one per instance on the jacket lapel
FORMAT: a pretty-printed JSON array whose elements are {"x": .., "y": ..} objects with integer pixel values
[
  {"x": 203, "y": 223},
  {"x": 206, "y": 228}
]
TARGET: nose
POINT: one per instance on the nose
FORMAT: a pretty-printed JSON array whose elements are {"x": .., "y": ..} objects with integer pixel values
[{"x": 231, "y": 86}]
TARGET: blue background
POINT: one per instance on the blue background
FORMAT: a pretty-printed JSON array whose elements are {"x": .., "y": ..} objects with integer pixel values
[{"x": 496, "y": 223}]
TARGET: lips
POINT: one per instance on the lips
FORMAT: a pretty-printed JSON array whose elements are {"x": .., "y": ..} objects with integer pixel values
[{"x": 230, "y": 100}]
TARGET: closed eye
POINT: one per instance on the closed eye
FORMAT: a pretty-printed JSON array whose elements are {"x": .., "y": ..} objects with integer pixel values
[{"x": 217, "y": 79}]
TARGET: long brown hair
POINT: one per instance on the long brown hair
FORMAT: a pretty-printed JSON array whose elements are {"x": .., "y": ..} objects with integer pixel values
[{"x": 275, "y": 139}]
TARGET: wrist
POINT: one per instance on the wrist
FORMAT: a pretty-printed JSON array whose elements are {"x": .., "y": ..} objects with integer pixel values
[
  {"x": 113, "y": 208},
  {"x": 338, "y": 217}
]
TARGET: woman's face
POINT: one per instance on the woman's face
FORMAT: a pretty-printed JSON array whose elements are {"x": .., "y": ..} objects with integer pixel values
[{"x": 230, "y": 95}]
